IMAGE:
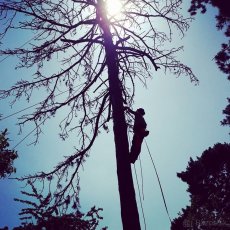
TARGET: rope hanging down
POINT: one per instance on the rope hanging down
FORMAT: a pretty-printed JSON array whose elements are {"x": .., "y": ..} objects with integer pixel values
[
  {"x": 162, "y": 193},
  {"x": 139, "y": 192},
  {"x": 142, "y": 179}
]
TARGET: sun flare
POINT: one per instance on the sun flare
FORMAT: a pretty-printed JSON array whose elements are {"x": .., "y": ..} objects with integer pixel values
[{"x": 113, "y": 7}]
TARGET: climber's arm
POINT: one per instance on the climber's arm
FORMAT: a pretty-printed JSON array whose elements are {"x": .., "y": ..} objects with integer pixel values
[{"x": 129, "y": 110}]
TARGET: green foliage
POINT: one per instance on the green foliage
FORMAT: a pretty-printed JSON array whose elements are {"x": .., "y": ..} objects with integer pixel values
[
  {"x": 224, "y": 13},
  {"x": 222, "y": 23},
  {"x": 226, "y": 111},
  {"x": 71, "y": 221},
  {"x": 208, "y": 179},
  {"x": 51, "y": 215},
  {"x": 7, "y": 156},
  {"x": 222, "y": 59}
]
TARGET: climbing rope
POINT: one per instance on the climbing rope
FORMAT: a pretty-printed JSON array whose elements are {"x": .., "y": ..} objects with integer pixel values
[
  {"x": 158, "y": 178},
  {"x": 142, "y": 179},
  {"x": 139, "y": 192}
]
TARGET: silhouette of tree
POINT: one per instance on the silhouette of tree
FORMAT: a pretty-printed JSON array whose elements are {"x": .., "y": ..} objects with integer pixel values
[
  {"x": 40, "y": 209},
  {"x": 226, "y": 111},
  {"x": 7, "y": 156},
  {"x": 223, "y": 23},
  {"x": 208, "y": 179},
  {"x": 98, "y": 59},
  {"x": 67, "y": 222}
]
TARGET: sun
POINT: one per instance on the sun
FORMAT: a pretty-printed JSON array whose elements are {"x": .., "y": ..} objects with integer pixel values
[{"x": 113, "y": 7}]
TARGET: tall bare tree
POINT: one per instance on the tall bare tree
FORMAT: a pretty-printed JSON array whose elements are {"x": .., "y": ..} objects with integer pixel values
[{"x": 98, "y": 59}]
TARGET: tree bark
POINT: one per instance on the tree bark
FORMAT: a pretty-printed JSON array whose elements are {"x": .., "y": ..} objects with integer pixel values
[{"x": 129, "y": 210}]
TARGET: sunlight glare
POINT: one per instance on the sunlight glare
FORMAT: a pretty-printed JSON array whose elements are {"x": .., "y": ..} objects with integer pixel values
[{"x": 113, "y": 7}]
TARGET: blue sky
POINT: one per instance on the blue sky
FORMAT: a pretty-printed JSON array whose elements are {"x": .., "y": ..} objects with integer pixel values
[{"x": 183, "y": 120}]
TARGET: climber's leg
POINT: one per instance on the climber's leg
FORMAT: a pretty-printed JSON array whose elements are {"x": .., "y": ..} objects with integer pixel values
[{"x": 136, "y": 147}]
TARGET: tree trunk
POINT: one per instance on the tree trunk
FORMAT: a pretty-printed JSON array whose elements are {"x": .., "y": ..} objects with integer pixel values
[{"x": 129, "y": 210}]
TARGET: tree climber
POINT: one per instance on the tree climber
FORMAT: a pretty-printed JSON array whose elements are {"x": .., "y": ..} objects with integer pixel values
[{"x": 140, "y": 132}]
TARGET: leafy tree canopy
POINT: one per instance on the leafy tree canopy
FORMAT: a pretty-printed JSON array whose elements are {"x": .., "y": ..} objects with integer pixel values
[
  {"x": 70, "y": 221},
  {"x": 7, "y": 156},
  {"x": 208, "y": 179},
  {"x": 223, "y": 23},
  {"x": 223, "y": 16},
  {"x": 226, "y": 111},
  {"x": 51, "y": 216}
]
